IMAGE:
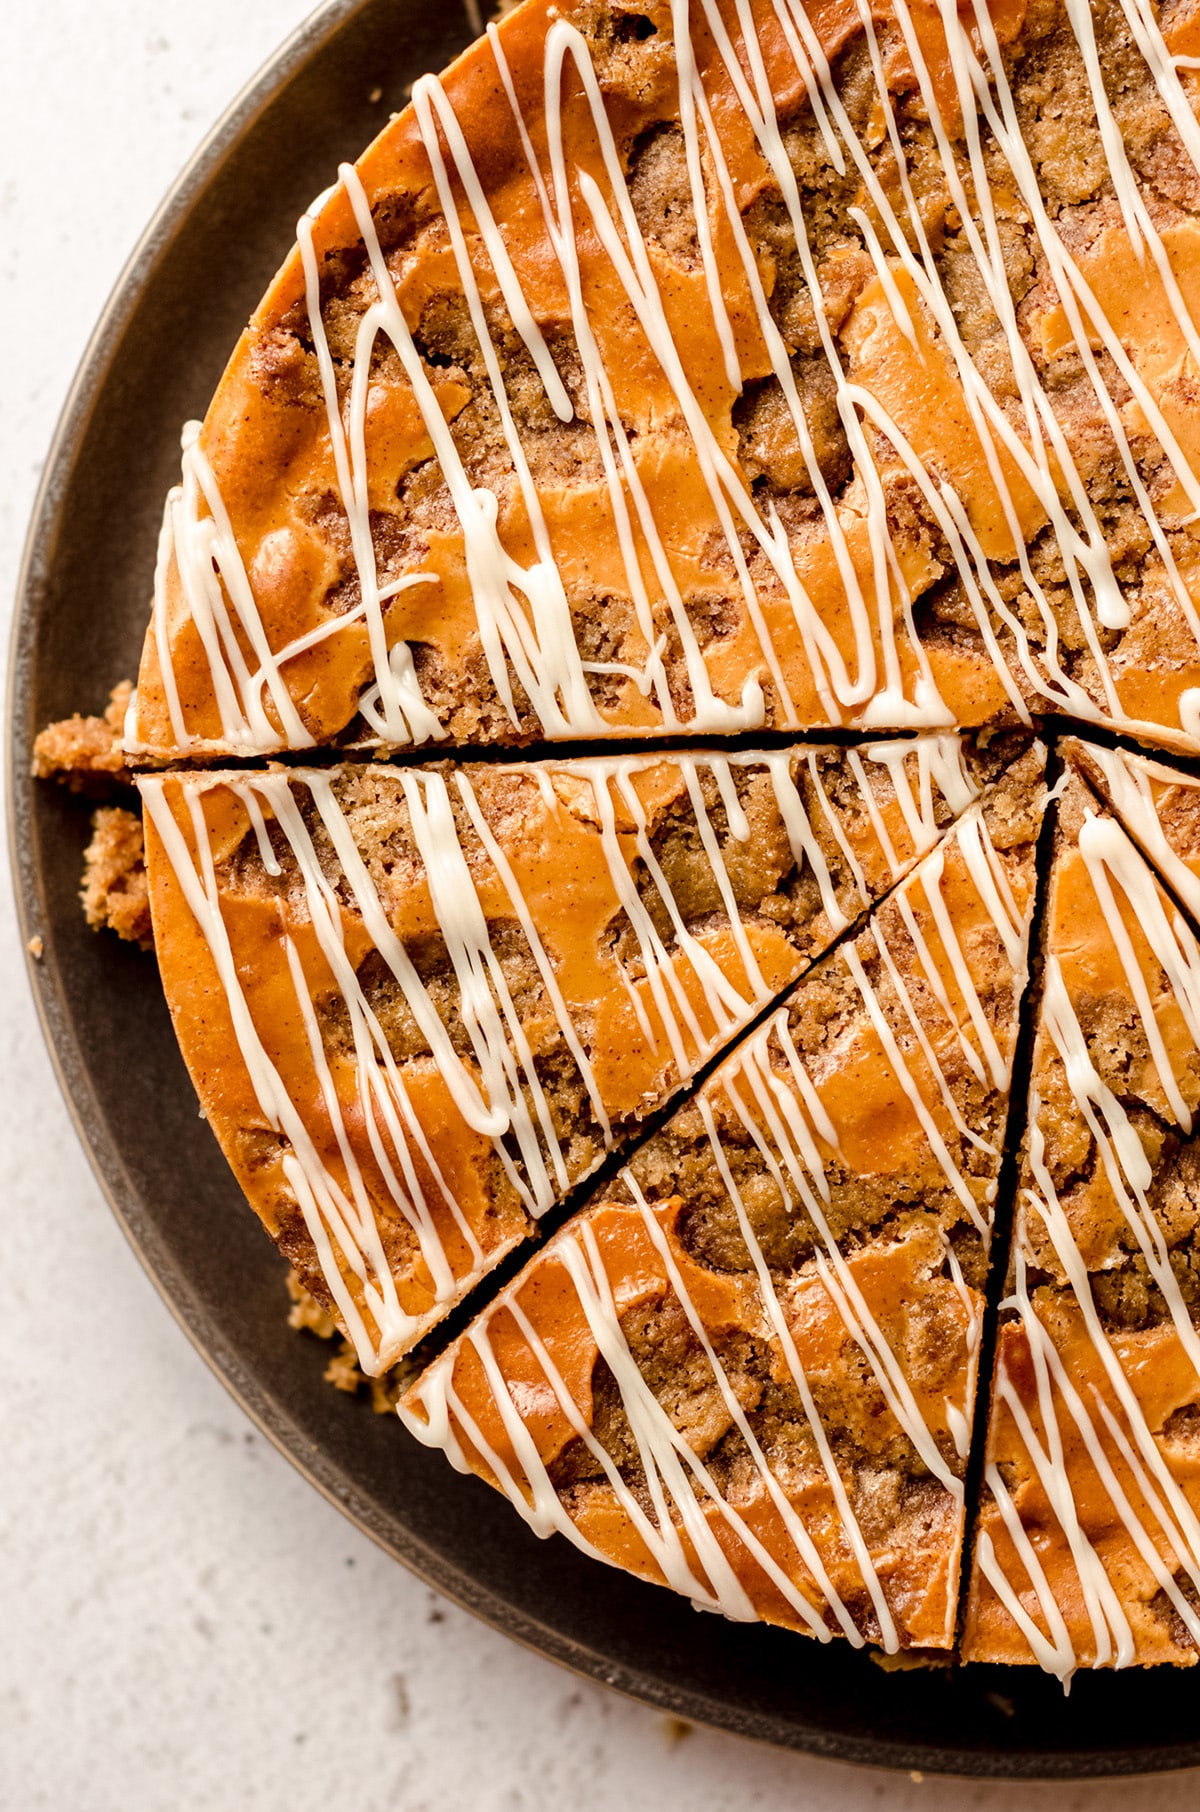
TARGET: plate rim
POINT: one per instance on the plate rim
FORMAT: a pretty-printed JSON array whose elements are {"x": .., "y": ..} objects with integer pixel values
[{"x": 104, "y": 1156}]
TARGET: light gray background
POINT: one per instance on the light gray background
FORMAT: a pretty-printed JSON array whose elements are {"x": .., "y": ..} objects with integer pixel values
[{"x": 184, "y": 1624}]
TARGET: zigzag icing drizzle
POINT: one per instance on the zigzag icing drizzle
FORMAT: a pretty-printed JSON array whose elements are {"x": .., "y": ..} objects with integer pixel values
[
  {"x": 523, "y": 613},
  {"x": 1129, "y": 782},
  {"x": 1166, "y": 1520},
  {"x": 504, "y": 1099},
  {"x": 767, "y": 1093}
]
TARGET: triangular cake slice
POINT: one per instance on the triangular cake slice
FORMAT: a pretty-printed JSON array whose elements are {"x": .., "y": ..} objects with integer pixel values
[
  {"x": 748, "y": 1371},
  {"x": 420, "y": 1005},
  {"x": 706, "y": 369},
  {"x": 1087, "y": 1551}
]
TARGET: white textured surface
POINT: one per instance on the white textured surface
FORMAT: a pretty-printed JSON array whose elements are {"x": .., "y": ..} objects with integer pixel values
[{"x": 156, "y": 1652}]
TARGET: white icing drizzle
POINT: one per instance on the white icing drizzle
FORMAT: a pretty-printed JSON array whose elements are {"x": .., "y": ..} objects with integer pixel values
[
  {"x": 1088, "y": 554},
  {"x": 778, "y": 1124},
  {"x": 677, "y": 1481},
  {"x": 1082, "y": 310},
  {"x": 523, "y": 613},
  {"x": 624, "y": 485},
  {"x": 675, "y": 1477},
  {"x": 788, "y": 1124},
  {"x": 959, "y": 1421},
  {"x": 346, "y": 1240},
  {"x": 887, "y": 704},
  {"x": 1111, "y": 857},
  {"x": 1165, "y": 1529},
  {"x": 197, "y": 538},
  {"x": 1129, "y": 782},
  {"x": 989, "y": 421},
  {"x": 782, "y": 1332},
  {"x": 1084, "y": 556},
  {"x": 525, "y": 919},
  {"x": 687, "y": 1004},
  {"x": 766, "y": 1092}
]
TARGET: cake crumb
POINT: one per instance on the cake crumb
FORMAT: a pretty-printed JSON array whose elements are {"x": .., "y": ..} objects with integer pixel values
[
  {"x": 343, "y": 1371},
  {"x": 906, "y": 1660},
  {"x": 306, "y": 1312},
  {"x": 87, "y": 752},
  {"x": 115, "y": 891},
  {"x": 35, "y": 948}
]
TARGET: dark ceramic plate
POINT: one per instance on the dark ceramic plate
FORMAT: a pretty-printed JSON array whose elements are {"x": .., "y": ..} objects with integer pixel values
[{"x": 154, "y": 361}]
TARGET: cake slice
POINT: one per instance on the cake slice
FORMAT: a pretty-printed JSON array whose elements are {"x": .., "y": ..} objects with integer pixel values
[
  {"x": 707, "y": 367},
  {"x": 1087, "y": 1551},
  {"x": 420, "y": 1005},
  {"x": 748, "y": 1371}
]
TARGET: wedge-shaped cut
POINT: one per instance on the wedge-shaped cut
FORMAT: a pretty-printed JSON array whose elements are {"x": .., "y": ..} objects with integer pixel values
[
  {"x": 1088, "y": 1545},
  {"x": 419, "y": 1006},
  {"x": 707, "y": 368},
  {"x": 748, "y": 1372}
]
